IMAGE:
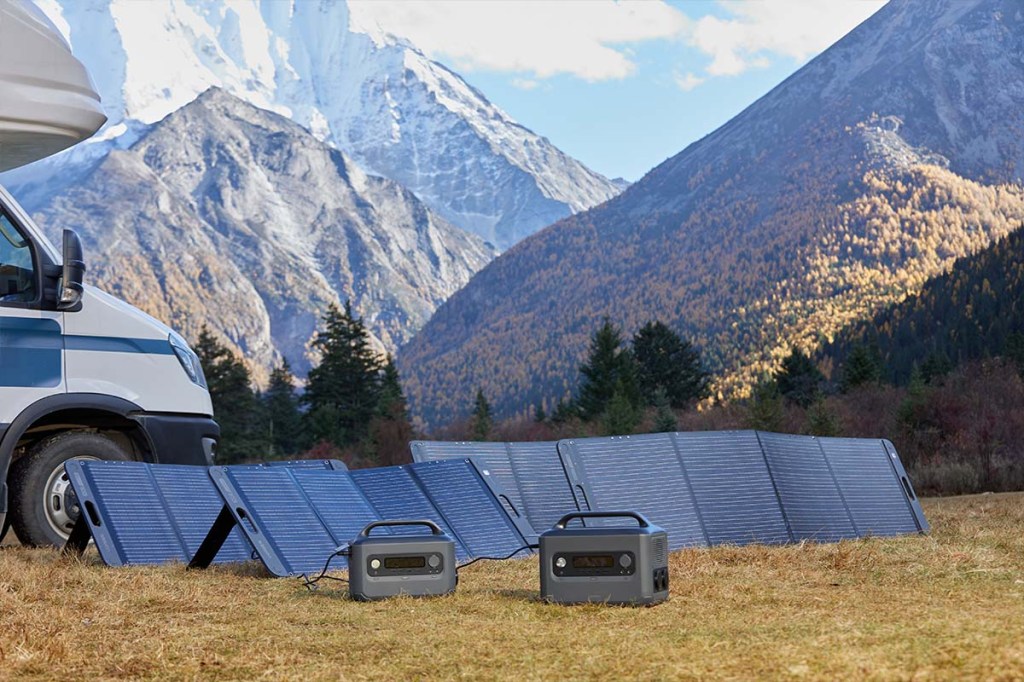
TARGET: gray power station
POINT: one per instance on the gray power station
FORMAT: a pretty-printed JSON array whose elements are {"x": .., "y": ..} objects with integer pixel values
[
  {"x": 607, "y": 564},
  {"x": 382, "y": 566}
]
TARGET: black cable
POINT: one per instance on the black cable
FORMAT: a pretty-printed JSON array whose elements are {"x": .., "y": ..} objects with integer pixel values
[
  {"x": 495, "y": 558},
  {"x": 311, "y": 583}
]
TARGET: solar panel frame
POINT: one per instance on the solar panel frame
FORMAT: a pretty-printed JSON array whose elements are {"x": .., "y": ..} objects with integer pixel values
[{"x": 167, "y": 524}]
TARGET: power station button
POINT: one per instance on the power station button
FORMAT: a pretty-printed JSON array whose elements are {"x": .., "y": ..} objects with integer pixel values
[
  {"x": 625, "y": 561},
  {"x": 375, "y": 564},
  {"x": 434, "y": 561}
]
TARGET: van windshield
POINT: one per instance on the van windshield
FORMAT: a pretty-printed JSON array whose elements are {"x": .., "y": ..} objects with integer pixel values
[{"x": 17, "y": 274}]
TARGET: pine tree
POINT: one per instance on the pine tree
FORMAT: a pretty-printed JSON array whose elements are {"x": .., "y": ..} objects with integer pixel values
[
  {"x": 765, "y": 409},
  {"x": 623, "y": 414},
  {"x": 482, "y": 421},
  {"x": 664, "y": 418},
  {"x": 666, "y": 359},
  {"x": 346, "y": 384},
  {"x": 538, "y": 413},
  {"x": 607, "y": 366},
  {"x": 936, "y": 366},
  {"x": 863, "y": 367},
  {"x": 1014, "y": 350},
  {"x": 799, "y": 379},
  {"x": 821, "y": 421},
  {"x": 282, "y": 409},
  {"x": 235, "y": 405},
  {"x": 390, "y": 430},
  {"x": 564, "y": 411}
]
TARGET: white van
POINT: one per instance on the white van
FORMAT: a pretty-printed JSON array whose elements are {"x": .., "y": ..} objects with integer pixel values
[{"x": 82, "y": 374}]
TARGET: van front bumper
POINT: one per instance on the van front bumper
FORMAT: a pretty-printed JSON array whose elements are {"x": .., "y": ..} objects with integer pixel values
[{"x": 180, "y": 439}]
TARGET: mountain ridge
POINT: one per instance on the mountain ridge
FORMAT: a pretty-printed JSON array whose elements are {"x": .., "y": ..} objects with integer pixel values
[
  {"x": 227, "y": 215},
  {"x": 380, "y": 100},
  {"x": 865, "y": 173}
]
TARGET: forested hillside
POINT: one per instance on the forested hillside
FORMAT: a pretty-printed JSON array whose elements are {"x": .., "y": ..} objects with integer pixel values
[
  {"x": 850, "y": 185},
  {"x": 973, "y": 311}
]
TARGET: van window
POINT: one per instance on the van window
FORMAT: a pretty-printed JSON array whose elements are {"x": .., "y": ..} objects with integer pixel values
[{"x": 17, "y": 274}]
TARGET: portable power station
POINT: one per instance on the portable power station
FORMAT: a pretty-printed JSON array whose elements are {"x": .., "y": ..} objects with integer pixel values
[
  {"x": 383, "y": 566},
  {"x": 614, "y": 565}
]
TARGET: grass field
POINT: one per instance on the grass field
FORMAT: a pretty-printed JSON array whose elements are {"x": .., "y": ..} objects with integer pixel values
[{"x": 946, "y": 606}]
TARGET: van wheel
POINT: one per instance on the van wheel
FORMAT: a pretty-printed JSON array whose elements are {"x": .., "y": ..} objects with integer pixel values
[{"x": 43, "y": 506}]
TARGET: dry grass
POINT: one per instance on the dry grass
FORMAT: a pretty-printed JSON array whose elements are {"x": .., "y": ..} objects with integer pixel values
[{"x": 948, "y": 606}]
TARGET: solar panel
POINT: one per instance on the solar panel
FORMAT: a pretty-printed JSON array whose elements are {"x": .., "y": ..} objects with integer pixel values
[
  {"x": 141, "y": 513},
  {"x": 395, "y": 494},
  {"x": 467, "y": 501},
  {"x": 542, "y": 482},
  {"x": 636, "y": 473},
  {"x": 810, "y": 496},
  {"x": 493, "y": 458},
  {"x": 294, "y": 519},
  {"x": 874, "y": 485},
  {"x": 732, "y": 486},
  {"x": 530, "y": 474}
]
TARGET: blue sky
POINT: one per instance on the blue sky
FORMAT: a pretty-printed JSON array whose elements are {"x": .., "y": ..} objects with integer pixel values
[{"x": 621, "y": 85}]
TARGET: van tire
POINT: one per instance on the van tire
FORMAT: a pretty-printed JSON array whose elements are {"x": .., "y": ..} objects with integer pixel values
[{"x": 39, "y": 488}]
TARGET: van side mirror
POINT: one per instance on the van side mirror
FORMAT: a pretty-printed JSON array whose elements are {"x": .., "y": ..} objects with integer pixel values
[{"x": 74, "y": 271}]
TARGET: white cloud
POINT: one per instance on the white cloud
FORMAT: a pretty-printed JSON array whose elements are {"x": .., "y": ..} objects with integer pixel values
[
  {"x": 524, "y": 83},
  {"x": 587, "y": 38},
  {"x": 594, "y": 39},
  {"x": 688, "y": 81},
  {"x": 758, "y": 30}
]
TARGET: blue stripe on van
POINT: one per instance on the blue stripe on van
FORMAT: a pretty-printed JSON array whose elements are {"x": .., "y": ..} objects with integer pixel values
[
  {"x": 30, "y": 352},
  {"x": 117, "y": 344}
]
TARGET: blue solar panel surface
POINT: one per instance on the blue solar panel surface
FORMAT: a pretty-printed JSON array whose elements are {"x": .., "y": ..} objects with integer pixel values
[
  {"x": 157, "y": 513},
  {"x": 636, "y": 473},
  {"x": 733, "y": 487},
  {"x": 471, "y": 509},
  {"x": 874, "y": 494},
  {"x": 809, "y": 494}
]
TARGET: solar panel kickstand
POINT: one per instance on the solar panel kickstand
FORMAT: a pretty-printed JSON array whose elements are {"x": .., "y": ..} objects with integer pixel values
[
  {"x": 214, "y": 540},
  {"x": 79, "y": 538}
]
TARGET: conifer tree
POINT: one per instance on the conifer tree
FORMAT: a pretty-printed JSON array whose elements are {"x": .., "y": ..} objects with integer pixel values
[
  {"x": 1014, "y": 350},
  {"x": 765, "y": 409},
  {"x": 799, "y": 379},
  {"x": 665, "y": 359},
  {"x": 608, "y": 365},
  {"x": 539, "y": 416},
  {"x": 390, "y": 430},
  {"x": 482, "y": 421},
  {"x": 664, "y": 418},
  {"x": 343, "y": 391},
  {"x": 936, "y": 366},
  {"x": 821, "y": 421},
  {"x": 282, "y": 411},
  {"x": 235, "y": 405},
  {"x": 863, "y": 367},
  {"x": 622, "y": 415}
]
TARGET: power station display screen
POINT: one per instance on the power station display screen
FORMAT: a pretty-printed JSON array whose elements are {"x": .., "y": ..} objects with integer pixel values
[
  {"x": 398, "y": 562},
  {"x": 593, "y": 561}
]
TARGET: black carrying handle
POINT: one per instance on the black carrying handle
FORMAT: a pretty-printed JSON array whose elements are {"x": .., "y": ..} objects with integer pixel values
[
  {"x": 434, "y": 528},
  {"x": 640, "y": 518}
]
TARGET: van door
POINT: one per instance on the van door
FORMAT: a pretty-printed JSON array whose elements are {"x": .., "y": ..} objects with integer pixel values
[{"x": 31, "y": 339}]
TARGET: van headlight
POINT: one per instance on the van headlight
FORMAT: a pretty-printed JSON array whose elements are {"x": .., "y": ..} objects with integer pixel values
[{"x": 188, "y": 359}]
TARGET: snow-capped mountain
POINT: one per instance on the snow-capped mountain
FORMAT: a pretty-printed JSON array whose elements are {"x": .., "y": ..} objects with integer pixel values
[
  {"x": 394, "y": 111},
  {"x": 233, "y": 217}
]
